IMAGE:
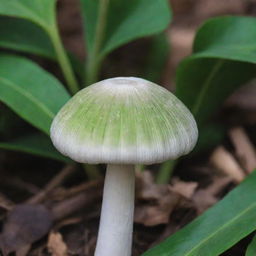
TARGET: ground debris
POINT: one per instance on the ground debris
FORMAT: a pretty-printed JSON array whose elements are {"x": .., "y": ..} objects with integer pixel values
[
  {"x": 28, "y": 223},
  {"x": 56, "y": 246},
  {"x": 91, "y": 195},
  {"x": 244, "y": 148},
  {"x": 185, "y": 189},
  {"x": 154, "y": 202},
  {"x": 225, "y": 162},
  {"x": 244, "y": 97},
  {"x": 25, "y": 224},
  {"x": 53, "y": 183},
  {"x": 207, "y": 197},
  {"x": 5, "y": 202}
]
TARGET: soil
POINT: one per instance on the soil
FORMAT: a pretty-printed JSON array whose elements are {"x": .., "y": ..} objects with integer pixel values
[{"x": 47, "y": 208}]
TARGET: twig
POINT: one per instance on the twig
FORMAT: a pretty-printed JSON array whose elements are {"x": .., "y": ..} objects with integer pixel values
[
  {"x": 54, "y": 182},
  {"x": 20, "y": 184},
  {"x": 226, "y": 163},
  {"x": 173, "y": 227},
  {"x": 66, "y": 193},
  {"x": 218, "y": 184},
  {"x": 244, "y": 148},
  {"x": 5, "y": 202},
  {"x": 92, "y": 194},
  {"x": 206, "y": 197}
]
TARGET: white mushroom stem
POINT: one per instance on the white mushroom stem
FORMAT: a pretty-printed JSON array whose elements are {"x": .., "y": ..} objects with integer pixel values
[{"x": 116, "y": 223}]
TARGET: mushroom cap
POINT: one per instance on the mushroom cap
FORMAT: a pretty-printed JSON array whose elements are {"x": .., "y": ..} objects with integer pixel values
[{"x": 124, "y": 120}]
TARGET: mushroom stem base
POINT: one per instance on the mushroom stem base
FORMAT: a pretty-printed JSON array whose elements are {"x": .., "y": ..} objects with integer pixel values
[{"x": 116, "y": 223}]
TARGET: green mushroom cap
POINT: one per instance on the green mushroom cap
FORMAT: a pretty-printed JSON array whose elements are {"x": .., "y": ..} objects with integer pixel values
[{"x": 124, "y": 120}]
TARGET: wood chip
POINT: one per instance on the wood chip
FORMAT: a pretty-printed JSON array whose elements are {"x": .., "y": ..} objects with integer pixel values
[
  {"x": 185, "y": 189},
  {"x": 225, "y": 162},
  {"x": 158, "y": 201},
  {"x": 56, "y": 246},
  {"x": 205, "y": 198},
  {"x": 245, "y": 150}
]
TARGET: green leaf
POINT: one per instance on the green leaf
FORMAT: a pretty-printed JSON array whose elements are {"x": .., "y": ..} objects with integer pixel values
[
  {"x": 224, "y": 54},
  {"x": 41, "y": 12},
  {"x": 157, "y": 58},
  {"x": 32, "y": 93},
  {"x": 203, "y": 83},
  {"x": 251, "y": 249},
  {"x": 218, "y": 228},
  {"x": 125, "y": 21},
  {"x": 25, "y": 36},
  {"x": 210, "y": 136},
  {"x": 228, "y": 37},
  {"x": 36, "y": 144}
]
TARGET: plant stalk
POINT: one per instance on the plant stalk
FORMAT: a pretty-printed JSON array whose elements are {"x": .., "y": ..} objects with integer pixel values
[
  {"x": 165, "y": 172},
  {"x": 116, "y": 223},
  {"x": 92, "y": 171},
  {"x": 94, "y": 59},
  {"x": 63, "y": 60}
]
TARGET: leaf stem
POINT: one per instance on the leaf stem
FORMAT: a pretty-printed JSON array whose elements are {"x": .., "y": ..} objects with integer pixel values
[
  {"x": 63, "y": 59},
  {"x": 92, "y": 171},
  {"x": 165, "y": 172},
  {"x": 94, "y": 59}
]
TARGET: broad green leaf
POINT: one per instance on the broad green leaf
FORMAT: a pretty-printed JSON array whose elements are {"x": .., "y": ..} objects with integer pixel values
[
  {"x": 204, "y": 83},
  {"x": 25, "y": 36},
  {"x": 37, "y": 144},
  {"x": 251, "y": 250},
  {"x": 230, "y": 37},
  {"x": 41, "y": 12},
  {"x": 210, "y": 136},
  {"x": 31, "y": 92},
  {"x": 157, "y": 58},
  {"x": 224, "y": 54},
  {"x": 125, "y": 21},
  {"x": 218, "y": 228}
]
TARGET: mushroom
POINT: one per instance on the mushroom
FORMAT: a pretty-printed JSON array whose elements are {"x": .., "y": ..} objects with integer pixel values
[{"x": 122, "y": 122}]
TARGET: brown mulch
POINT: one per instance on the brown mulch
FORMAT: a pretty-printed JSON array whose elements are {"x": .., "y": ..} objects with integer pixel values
[{"x": 50, "y": 209}]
